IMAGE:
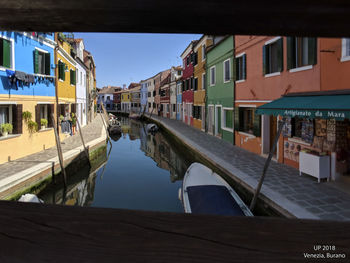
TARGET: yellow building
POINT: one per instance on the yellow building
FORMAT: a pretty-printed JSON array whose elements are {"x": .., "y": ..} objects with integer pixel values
[
  {"x": 66, "y": 75},
  {"x": 199, "y": 81},
  {"x": 126, "y": 100}
]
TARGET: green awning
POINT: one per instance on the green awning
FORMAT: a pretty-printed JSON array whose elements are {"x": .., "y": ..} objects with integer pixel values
[{"x": 323, "y": 106}]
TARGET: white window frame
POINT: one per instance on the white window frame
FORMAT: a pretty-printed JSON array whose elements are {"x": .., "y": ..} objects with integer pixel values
[
  {"x": 12, "y": 53},
  {"x": 211, "y": 132},
  {"x": 212, "y": 84},
  {"x": 10, "y": 111},
  {"x": 224, "y": 70},
  {"x": 238, "y": 56},
  {"x": 343, "y": 50},
  {"x": 216, "y": 130},
  {"x": 223, "y": 119}
]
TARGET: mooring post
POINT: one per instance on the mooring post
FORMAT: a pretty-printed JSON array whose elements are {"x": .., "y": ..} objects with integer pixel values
[
  {"x": 53, "y": 172},
  {"x": 59, "y": 150},
  {"x": 151, "y": 113},
  {"x": 267, "y": 163},
  {"x": 82, "y": 139}
]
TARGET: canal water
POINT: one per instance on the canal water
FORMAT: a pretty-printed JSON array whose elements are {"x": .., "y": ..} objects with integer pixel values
[{"x": 139, "y": 171}]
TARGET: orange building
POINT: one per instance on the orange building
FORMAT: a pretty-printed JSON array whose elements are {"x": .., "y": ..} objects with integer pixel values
[
  {"x": 199, "y": 81},
  {"x": 268, "y": 68}
]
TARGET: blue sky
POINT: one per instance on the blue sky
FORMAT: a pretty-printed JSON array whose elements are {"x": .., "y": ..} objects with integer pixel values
[{"x": 122, "y": 58}]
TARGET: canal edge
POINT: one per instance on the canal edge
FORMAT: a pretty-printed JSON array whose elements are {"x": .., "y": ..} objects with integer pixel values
[
  {"x": 35, "y": 177},
  {"x": 267, "y": 196}
]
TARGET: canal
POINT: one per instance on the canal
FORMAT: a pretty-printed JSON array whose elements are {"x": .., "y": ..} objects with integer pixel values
[{"x": 139, "y": 171}]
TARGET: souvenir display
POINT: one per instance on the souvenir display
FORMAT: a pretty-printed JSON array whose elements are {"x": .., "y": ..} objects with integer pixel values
[
  {"x": 321, "y": 127},
  {"x": 331, "y": 130},
  {"x": 307, "y": 131},
  {"x": 287, "y": 128}
]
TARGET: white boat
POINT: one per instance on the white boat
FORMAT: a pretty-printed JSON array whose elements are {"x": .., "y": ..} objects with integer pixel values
[
  {"x": 151, "y": 128},
  {"x": 30, "y": 198},
  {"x": 205, "y": 192}
]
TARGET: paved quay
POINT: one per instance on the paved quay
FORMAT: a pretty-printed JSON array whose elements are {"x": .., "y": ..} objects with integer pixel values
[
  {"x": 20, "y": 170},
  {"x": 300, "y": 196}
]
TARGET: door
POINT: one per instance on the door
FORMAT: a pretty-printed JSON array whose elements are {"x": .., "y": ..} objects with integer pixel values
[
  {"x": 203, "y": 117},
  {"x": 189, "y": 113},
  {"x": 218, "y": 121},
  {"x": 273, "y": 132},
  {"x": 210, "y": 119}
]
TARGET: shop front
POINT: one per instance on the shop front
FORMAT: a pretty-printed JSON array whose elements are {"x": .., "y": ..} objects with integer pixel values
[{"x": 315, "y": 137}]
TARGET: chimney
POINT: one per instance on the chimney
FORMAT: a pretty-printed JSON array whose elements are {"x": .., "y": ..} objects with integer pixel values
[{"x": 124, "y": 86}]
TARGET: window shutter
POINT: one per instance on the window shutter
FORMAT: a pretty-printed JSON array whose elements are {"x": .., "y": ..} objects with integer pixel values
[
  {"x": 244, "y": 66},
  {"x": 236, "y": 119},
  {"x": 312, "y": 48},
  {"x": 6, "y": 53},
  {"x": 36, "y": 61},
  {"x": 71, "y": 76},
  {"x": 264, "y": 60},
  {"x": 47, "y": 64},
  {"x": 280, "y": 54},
  {"x": 63, "y": 71},
  {"x": 256, "y": 124},
  {"x": 37, "y": 115},
  {"x": 290, "y": 52},
  {"x": 17, "y": 117},
  {"x": 50, "y": 110}
]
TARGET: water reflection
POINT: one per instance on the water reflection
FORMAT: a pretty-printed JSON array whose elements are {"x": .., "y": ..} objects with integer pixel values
[{"x": 143, "y": 171}]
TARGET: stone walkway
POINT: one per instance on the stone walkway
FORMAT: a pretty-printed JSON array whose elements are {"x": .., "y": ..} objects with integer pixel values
[
  {"x": 10, "y": 169},
  {"x": 302, "y": 196}
]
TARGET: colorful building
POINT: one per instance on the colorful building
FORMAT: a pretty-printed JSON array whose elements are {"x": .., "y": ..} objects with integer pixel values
[
  {"x": 66, "y": 76},
  {"x": 176, "y": 74},
  {"x": 106, "y": 97},
  {"x": 27, "y": 86},
  {"x": 91, "y": 84},
  {"x": 117, "y": 100},
  {"x": 188, "y": 58},
  {"x": 220, "y": 91},
  {"x": 151, "y": 93},
  {"x": 165, "y": 95},
  {"x": 125, "y": 100},
  {"x": 280, "y": 71},
  {"x": 81, "y": 87},
  {"x": 135, "y": 96},
  {"x": 199, "y": 81},
  {"x": 145, "y": 94},
  {"x": 179, "y": 109}
]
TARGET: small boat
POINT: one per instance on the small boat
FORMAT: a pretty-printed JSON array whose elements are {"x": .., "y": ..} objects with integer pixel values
[
  {"x": 205, "y": 192},
  {"x": 151, "y": 128},
  {"x": 114, "y": 129},
  {"x": 134, "y": 116},
  {"x": 30, "y": 198}
]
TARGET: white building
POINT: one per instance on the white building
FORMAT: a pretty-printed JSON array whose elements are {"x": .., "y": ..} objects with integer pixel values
[{"x": 176, "y": 74}]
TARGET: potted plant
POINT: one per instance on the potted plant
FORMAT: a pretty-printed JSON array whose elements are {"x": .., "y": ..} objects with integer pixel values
[
  {"x": 43, "y": 123},
  {"x": 27, "y": 116},
  {"x": 6, "y": 128},
  {"x": 32, "y": 126}
]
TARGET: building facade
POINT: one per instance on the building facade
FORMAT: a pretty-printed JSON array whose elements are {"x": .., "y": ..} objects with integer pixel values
[
  {"x": 165, "y": 95},
  {"x": 27, "y": 87},
  {"x": 151, "y": 95},
  {"x": 179, "y": 108},
  {"x": 91, "y": 85},
  {"x": 125, "y": 101},
  {"x": 199, "y": 81},
  {"x": 176, "y": 75},
  {"x": 220, "y": 91},
  {"x": 187, "y": 76}
]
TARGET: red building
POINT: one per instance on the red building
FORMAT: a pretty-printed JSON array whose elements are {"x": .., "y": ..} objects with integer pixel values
[
  {"x": 165, "y": 96},
  {"x": 188, "y": 58}
]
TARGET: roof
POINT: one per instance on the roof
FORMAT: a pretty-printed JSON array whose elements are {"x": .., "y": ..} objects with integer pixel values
[
  {"x": 193, "y": 42},
  {"x": 108, "y": 89},
  {"x": 133, "y": 85}
]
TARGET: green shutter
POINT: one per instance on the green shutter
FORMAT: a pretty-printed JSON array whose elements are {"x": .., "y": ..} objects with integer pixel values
[
  {"x": 280, "y": 54},
  {"x": 36, "y": 61},
  {"x": 47, "y": 63},
  {"x": 244, "y": 66},
  {"x": 312, "y": 50},
  {"x": 6, "y": 53},
  {"x": 63, "y": 72},
  {"x": 257, "y": 124},
  {"x": 228, "y": 118},
  {"x": 290, "y": 52},
  {"x": 236, "y": 119},
  {"x": 264, "y": 60}
]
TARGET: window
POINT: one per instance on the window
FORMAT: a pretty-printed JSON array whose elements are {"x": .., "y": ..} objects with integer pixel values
[
  {"x": 72, "y": 77},
  {"x": 197, "y": 112},
  {"x": 227, "y": 70},
  {"x": 41, "y": 62},
  {"x": 345, "y": 51},
  {"x": 61, "y": 70},
  {"x": 188, "y": 60},
  {"x": 43, "y": 111},
  {"x": 194, "y": 58},
  {"x": 179, "y": 72},
  {"x": 149, "y": 94},
  {"x": 273, "y": 57},
  {"x": 247, "y": 121},
  {"x": 5, "y": 114},
  {"x": 203, "y": 53},
  {"x": 212, "y": 76},
  {"x": 241, "y": 67},
  {"x": 149, "y": 105},
  {"x": 301, "y": 51},
  {"x": 203, "y": 81},
  {"x": 195, "y": 83},
  {"x": 227, "y": 119},
  {"x": 5, "y": 53},
  {"x": 81, "y": 77}
]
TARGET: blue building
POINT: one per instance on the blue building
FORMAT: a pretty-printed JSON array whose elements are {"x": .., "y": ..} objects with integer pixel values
[
  {"x": 27, "y": 84},
  {"x": 144, "y": 93},
  {"x": 179, "y": 109}
]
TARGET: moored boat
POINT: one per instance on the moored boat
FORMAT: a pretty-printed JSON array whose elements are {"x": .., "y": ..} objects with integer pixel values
[{"x": 205, "y": 192}]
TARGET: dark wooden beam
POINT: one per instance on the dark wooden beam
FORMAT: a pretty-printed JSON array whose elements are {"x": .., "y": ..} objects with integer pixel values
[
  {"x": 269, "y": 17},
  {"x": 50, "y": 233}
]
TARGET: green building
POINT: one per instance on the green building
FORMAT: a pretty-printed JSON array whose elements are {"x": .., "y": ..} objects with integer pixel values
[{"x": 220, "y": 91}]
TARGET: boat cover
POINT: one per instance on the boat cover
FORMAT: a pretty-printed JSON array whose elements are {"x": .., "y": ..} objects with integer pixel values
[{"x": 212, "y": 199}]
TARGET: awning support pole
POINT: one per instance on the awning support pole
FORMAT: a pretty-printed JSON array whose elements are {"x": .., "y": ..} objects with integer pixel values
[{"x": 267, "y": 163}]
